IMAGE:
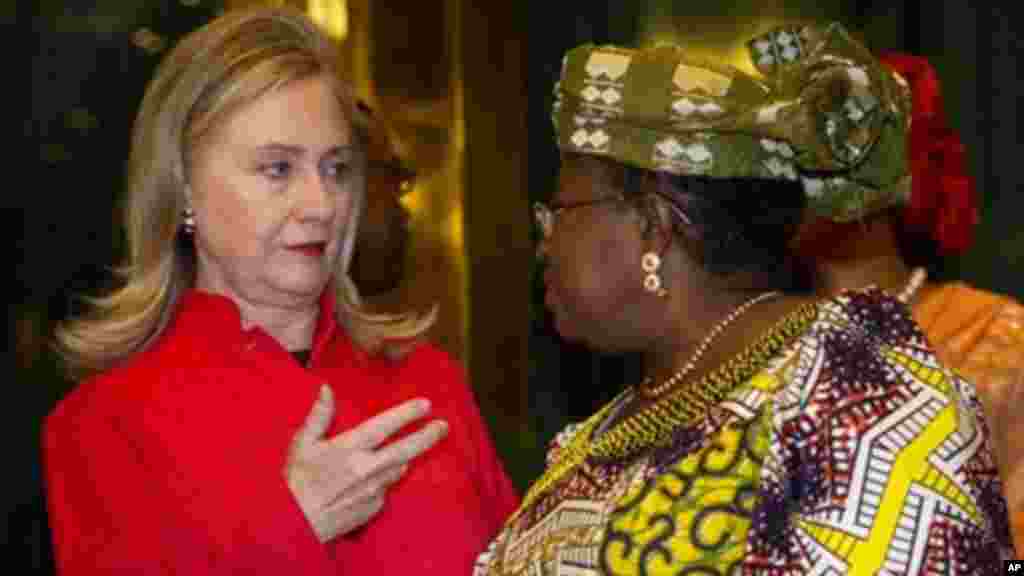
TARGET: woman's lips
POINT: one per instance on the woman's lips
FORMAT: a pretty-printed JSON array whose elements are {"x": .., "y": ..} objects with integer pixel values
[
  {"x": 315, "y": 249},
  {"x": 550, "y": 298},
  {"x": 549, "y": 290}
]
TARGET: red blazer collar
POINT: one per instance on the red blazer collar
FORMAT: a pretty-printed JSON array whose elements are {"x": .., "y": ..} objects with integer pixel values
[{"x": 217, "y": 319}]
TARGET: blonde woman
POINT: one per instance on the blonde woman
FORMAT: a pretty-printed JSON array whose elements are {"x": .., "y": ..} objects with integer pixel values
[{"x": 239, "y": 412}]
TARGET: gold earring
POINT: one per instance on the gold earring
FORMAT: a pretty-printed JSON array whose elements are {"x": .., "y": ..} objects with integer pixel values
[{"x": 650, "y": 263}]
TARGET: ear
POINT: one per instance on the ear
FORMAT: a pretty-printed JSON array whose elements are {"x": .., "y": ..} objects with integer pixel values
[
  {"x": 666, "y": 221},
  {"x": 654, "y": 220}
]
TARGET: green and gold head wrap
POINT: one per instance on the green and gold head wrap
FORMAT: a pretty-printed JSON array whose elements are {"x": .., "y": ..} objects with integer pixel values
[{"x": 822, "y": 111}]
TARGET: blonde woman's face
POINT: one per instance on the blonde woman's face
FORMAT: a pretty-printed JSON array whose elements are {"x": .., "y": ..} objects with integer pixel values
[{"x": 272, "y": 188}]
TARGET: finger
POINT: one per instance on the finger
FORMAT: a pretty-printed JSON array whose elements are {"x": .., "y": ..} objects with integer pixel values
[
  {"x": 393, "y": 475},
  {"x": 387, "y": 477},
  {"x": 413, "y": 445},
  {"x": 367, "y": 488},
  {"x": 361, "y": 503},
  {"x": 377, "y": 429},
  {"x": 360, "y": 481},
  {"x": 318, "y": 420}
]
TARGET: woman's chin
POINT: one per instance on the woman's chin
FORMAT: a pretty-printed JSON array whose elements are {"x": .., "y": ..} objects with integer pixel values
[
  {"x": 559, "y": 325},
  {"x": 594, "y": 340},
  {"x": 303, "y": 285},
  {"x": 565, "y": 330}
]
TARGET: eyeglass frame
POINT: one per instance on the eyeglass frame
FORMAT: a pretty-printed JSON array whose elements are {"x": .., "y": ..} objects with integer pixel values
[{"x": 545, "y": 213}]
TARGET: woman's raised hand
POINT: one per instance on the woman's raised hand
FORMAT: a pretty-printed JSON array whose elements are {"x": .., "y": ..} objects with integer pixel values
[{"x": 340, "y": 483}]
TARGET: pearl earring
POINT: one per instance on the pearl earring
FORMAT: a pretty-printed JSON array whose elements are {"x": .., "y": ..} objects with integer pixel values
[{"x": 188, "y": 221}]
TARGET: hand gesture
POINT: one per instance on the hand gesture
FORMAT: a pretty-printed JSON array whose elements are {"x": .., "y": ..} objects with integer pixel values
[{"x": 341, "y": 483}]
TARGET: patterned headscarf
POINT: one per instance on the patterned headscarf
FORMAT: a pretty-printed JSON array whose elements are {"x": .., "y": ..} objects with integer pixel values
[{"x": 822, "y": 111}]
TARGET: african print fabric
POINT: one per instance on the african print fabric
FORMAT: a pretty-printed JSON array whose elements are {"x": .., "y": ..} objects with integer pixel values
[
  {"x": 853, "y": 451},
  {"x": 822, "y": 111}
]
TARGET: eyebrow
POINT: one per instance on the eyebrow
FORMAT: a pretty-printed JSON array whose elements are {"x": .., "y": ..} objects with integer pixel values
[{"x": 299, "y": 150}]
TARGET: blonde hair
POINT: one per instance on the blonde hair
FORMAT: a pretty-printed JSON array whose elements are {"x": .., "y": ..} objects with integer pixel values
[{"x": 231, "y": 61}]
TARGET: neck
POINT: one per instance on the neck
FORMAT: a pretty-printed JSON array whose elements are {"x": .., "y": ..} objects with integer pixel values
[
  {"x": 291, "y": 324},
  {"x": 688, "y": 326},
  {"x": 854, "y": 255},
  {"x": 292, "y": 328},
  {"x": 887, "y": 272},
  {"x": 290, "y": 320}
]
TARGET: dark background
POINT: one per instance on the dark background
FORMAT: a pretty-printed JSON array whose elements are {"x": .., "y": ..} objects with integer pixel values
[{"x": 87, "y": 77}]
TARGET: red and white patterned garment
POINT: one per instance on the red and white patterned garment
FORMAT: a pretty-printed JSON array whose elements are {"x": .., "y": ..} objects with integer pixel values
[{"x": 853, "y": 451}]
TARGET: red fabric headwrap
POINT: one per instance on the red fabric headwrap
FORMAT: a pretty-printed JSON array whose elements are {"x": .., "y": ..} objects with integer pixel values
[{"x": 943, "y": 197}]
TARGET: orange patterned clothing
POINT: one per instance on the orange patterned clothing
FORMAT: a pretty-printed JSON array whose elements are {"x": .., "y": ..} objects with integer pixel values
[{"x": 981, "y": 335}]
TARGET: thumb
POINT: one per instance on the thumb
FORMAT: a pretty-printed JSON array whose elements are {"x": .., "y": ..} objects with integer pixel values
[{"x": 318, "y": 420}]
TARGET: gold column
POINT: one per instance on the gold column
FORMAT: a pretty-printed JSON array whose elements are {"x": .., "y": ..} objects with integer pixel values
[
  {"x": 427, "y": 129},
  {"x": 492, "y": 42},
  {"x": 455, "y": 218},
  {"x": 358, "y": 54}
]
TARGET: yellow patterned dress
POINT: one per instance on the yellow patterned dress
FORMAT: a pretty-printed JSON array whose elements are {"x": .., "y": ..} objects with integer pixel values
[{"x": 850, "y": 450}]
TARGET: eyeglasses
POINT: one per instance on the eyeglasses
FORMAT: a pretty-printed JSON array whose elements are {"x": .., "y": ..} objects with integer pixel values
[{"x": 545, "y": 214}]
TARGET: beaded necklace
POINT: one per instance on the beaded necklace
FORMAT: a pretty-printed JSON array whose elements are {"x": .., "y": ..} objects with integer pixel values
[
  {"x": 647, "y": 388},
  {"x": 917, "y": 279},
  {"x": 654, "y": 425}
]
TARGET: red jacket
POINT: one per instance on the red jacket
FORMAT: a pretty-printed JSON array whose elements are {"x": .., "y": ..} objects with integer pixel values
[{"x": 172, "y": 463}]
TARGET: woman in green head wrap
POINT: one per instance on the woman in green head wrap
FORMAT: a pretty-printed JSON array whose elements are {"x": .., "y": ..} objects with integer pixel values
[{"x": 773, "y": 433}]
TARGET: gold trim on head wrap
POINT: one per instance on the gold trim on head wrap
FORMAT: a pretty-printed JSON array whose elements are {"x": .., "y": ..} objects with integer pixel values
[{"x": 823, "y": 111}]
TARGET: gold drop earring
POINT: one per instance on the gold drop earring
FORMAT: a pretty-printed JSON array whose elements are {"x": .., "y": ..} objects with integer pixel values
[{"x": 650, "y": 263}]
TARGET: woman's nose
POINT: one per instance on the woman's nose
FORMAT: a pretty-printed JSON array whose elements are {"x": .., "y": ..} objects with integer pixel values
[
  {"x": 316, "y": 198},
  {"x": 543, "y": 246}
]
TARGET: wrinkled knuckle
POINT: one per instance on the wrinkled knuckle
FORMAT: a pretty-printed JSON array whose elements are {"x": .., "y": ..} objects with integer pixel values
[
  {"x": 411, "y": 451},
  {"x": 378, "y": 491}
]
